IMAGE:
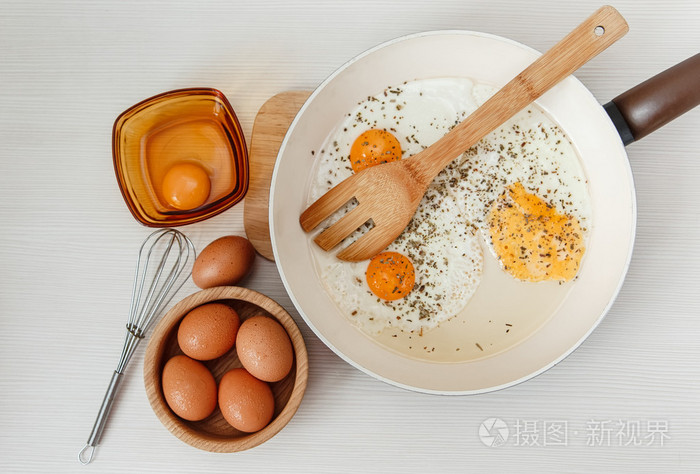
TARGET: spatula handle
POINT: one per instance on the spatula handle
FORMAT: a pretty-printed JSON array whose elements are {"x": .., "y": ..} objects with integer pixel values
[{"x": 594, "y": 35}]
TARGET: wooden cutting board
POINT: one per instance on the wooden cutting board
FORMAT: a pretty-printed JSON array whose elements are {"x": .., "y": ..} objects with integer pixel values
[{"x": 269, "y": 128}]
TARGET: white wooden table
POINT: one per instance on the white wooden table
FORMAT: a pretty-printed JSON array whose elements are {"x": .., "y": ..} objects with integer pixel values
[{"x": 68, "y": 246}]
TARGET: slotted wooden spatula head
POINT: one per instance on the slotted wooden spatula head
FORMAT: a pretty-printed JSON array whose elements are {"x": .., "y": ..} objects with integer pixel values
[{"x": 388, "y": 194}]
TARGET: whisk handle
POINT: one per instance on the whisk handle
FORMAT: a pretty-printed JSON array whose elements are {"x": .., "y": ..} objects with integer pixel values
[{"x": 85, "y": 455}]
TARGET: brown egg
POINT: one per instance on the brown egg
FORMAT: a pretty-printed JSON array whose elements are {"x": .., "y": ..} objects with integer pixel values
[
  {"x": 189, "y": 388},
  {"x": 223, "y": 262},
  {"x": 246, "y": 402},
  {"x": 208, "y": 331},
  {"x": 264, "y": 348}
]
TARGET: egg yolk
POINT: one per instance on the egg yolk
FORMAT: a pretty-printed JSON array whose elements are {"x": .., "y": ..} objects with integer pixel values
[
  {"x": 533, "y": 241},
  {"x": 186, "y": 186},
  {"x": 390, "y": 276},
  {"x": 374, "y": 147}
]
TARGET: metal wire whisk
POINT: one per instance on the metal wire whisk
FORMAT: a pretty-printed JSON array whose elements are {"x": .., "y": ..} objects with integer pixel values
[{"x": 172, "y": 252}]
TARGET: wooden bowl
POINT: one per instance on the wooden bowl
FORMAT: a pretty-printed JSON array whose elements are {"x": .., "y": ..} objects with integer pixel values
[{"x": 214, "y": 433}]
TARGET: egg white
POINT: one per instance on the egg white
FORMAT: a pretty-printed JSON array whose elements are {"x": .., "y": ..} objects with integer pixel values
[
  {"x": 447, "y": 259},
  {"x": 444, "y": 240}
]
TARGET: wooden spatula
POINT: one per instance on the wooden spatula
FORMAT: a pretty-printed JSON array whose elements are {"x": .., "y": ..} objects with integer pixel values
[{"x": 389, "y": 193}]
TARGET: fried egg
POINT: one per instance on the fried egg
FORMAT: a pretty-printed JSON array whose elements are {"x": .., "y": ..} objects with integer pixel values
[
  {"x": 468, "y": 211},
  {"x": 445, "y": 260},
  {"x": 531, "y": 154},
  {"x": 534, "y": 242}
]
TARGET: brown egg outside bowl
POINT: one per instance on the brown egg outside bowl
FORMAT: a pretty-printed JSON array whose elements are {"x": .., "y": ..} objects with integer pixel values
[{"x": 214, "y": 433}]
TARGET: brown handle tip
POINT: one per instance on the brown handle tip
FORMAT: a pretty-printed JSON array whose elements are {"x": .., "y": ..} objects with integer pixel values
[{"x": 666, "y": 96}]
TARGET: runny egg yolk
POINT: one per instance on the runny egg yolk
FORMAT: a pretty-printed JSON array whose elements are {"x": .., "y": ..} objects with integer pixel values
[
  {"x": 533, "y": 241},
  {"x": 374, "y": 147},
  {"x": 390, "y": 275},
  {"x": 186, "y": 186}
]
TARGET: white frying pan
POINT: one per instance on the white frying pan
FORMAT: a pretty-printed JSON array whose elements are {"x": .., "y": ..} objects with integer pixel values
[{"x": 595, "y": 136}]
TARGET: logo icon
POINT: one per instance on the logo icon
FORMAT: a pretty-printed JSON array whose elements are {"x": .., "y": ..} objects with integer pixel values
[{"x": 493, "y": 432}]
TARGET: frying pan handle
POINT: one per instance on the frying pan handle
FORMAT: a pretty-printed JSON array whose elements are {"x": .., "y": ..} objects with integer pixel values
[{"x": 656, "y": 101}]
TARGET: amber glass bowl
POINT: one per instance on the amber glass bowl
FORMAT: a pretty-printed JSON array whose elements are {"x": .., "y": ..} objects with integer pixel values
[{"x": 195, "y": 126}]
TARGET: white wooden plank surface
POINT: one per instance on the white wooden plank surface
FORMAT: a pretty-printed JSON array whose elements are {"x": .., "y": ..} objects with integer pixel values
[{"x": 68, "y": 243}]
